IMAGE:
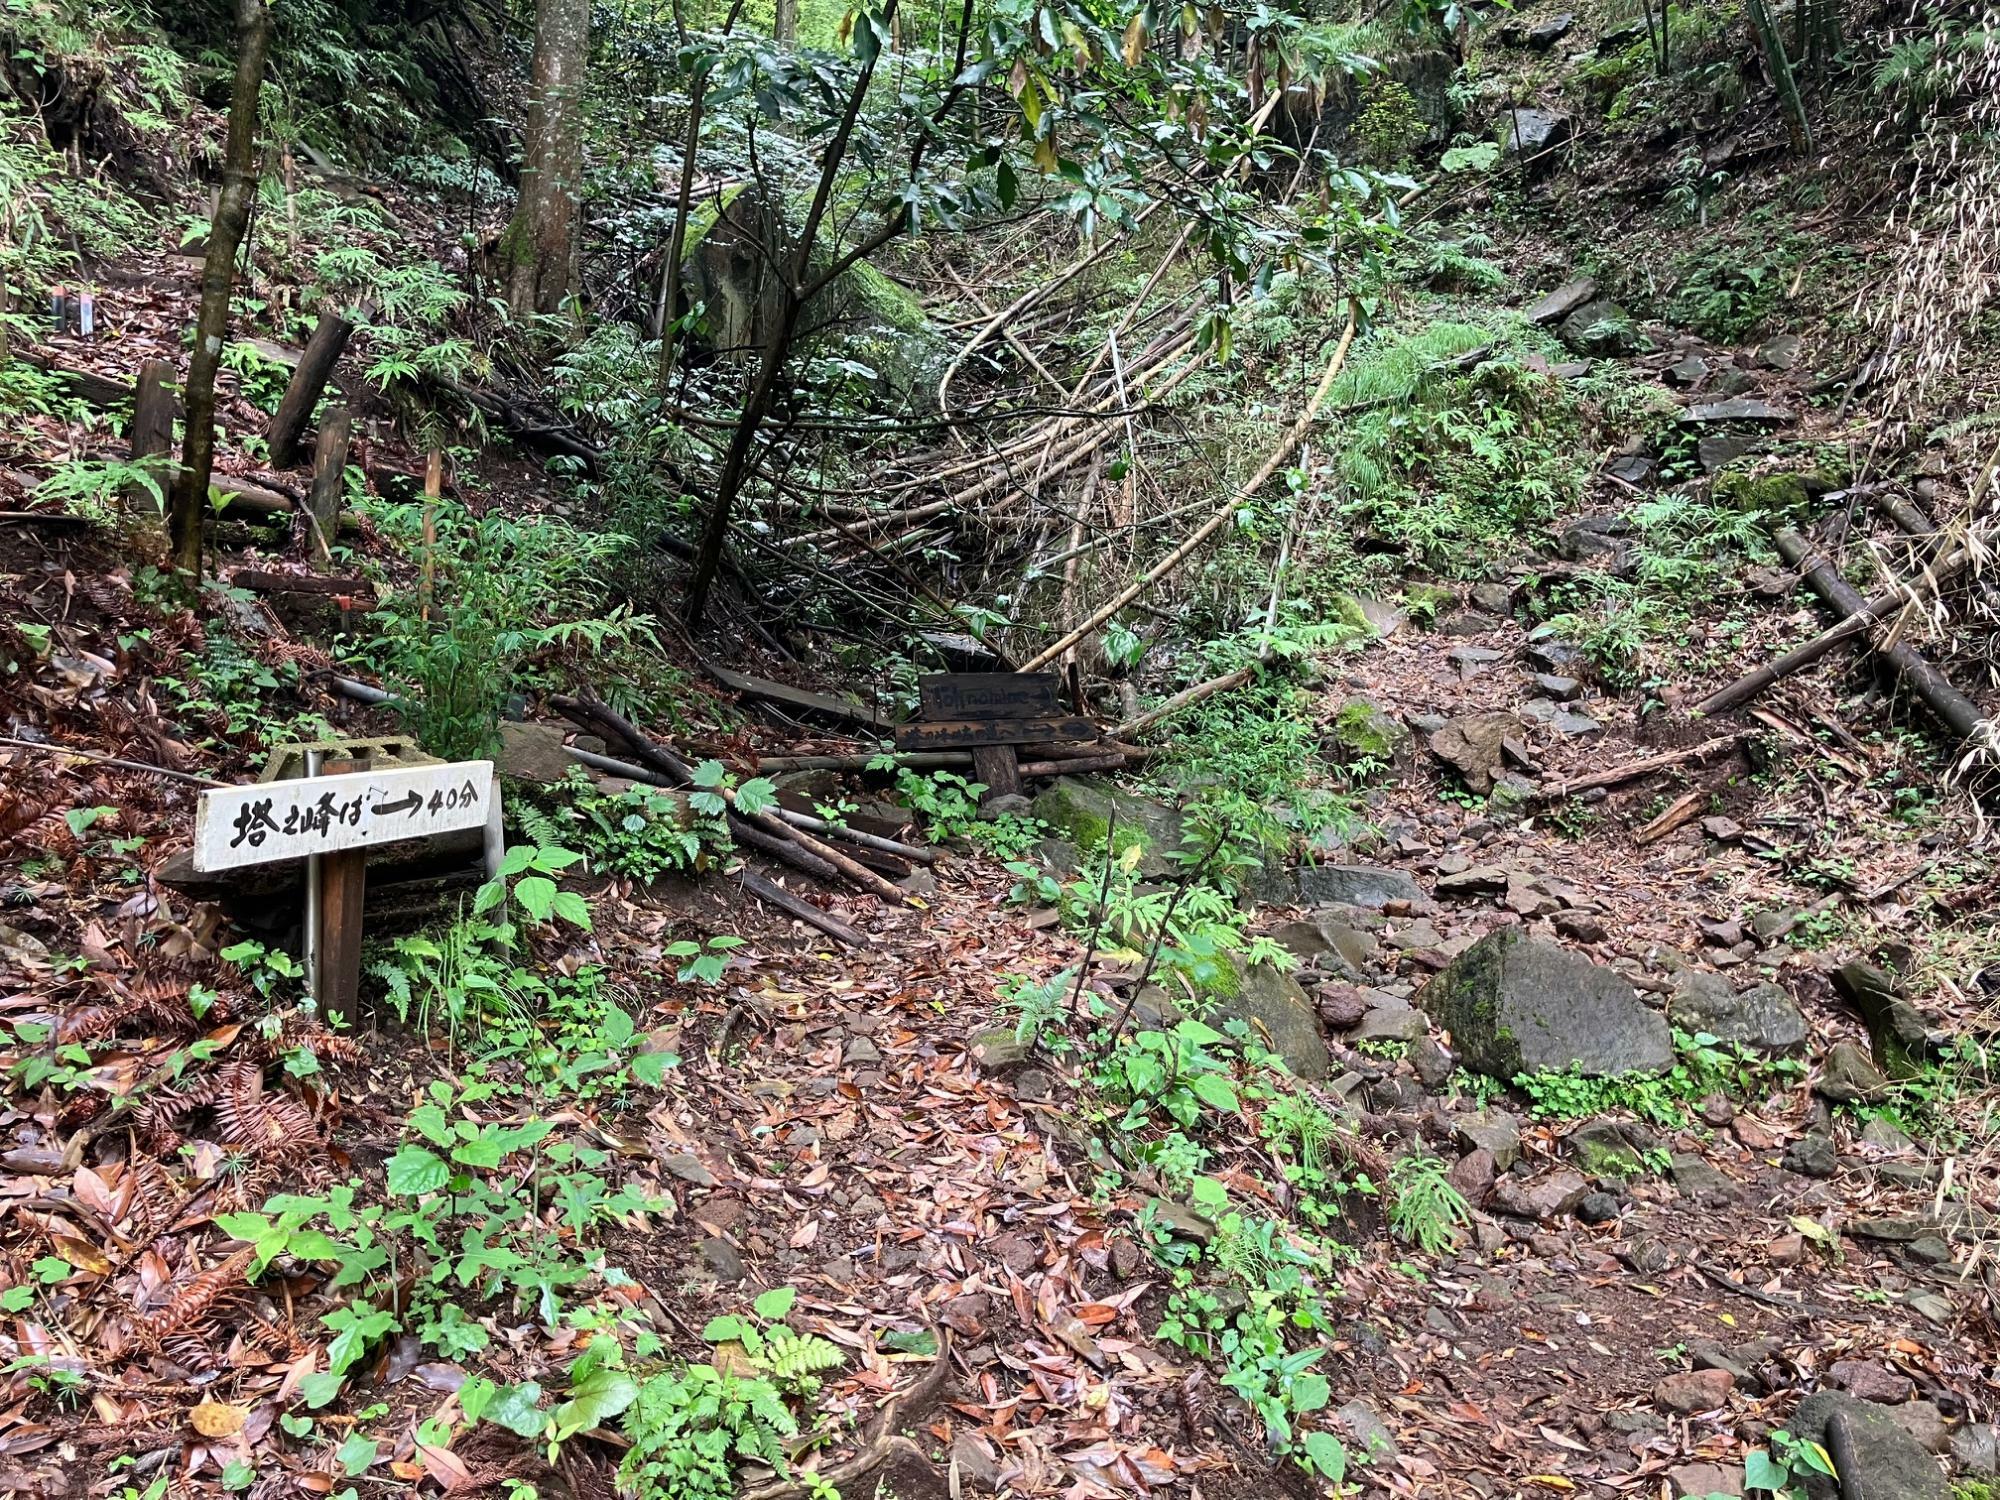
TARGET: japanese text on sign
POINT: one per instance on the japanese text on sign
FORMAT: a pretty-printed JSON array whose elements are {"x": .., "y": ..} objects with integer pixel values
[{"x": 273, "y": 820}]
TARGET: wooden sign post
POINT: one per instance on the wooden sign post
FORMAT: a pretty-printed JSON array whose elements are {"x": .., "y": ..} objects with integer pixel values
[
  {"x": 991, "y": 713},
  {"x": 330, "y": 821}
]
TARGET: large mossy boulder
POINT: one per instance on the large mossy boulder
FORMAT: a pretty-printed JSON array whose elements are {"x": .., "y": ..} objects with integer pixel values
[
  {"x": 1520, "y": 1004},
  {"x": 1085, "y": 811},
  {"x": 1278, "y": 1012}
]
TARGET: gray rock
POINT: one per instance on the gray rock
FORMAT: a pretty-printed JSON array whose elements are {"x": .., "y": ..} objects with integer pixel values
[
  {"x": 1602, "y": 327},
  {"x": 1699, "y": 1481},
  {"x": 1496, "y": 1133},
  {"x": 998, "y": 1050},
  {"x": 1877, "y": 1459},
  {"x": 1372, "y": 1439},
  {"x": 533, "y": 752},
  {"x": 1812, "y": 1156},
  {"x": 1472, "y": 880},
  {"x": 1696, "y": 1179},
  {"x": 1885, "y": 1136},
  {"x": 1689, "y": 371},
  {"x": 1515, "y": 1003},
  {"x": 1430, "y": 1061},
  {"x": 1870, "y": 1380},
  {"x": 1180, "y": 1220},
  {"x": 1631, "y": 468},
  {"x": 1895, "y": 1027},
  {"x": 1384, "y": 618},
  {"x": 1975, "y": 1448},
  {"x": 1719, "y": 452},
  {"x": 1610, "y": 1148},
  {"x": 1595, "y": 539},
  {"x": 1471, "y": 745},
  {"x": 1371, "y": 886},
  {"x": 1363, "y": 728},
  {"x": 1392, "y": 1023},
  {"x": 1563, "y": 301},
  {"x": 1277, "y": 1008},
  {"x": 722, "y": 1259},
  {"x": 1930, "y": 1250},
  {"x": 1780, "y": 353},
  {"x": 1494, "y": 598},
  {"x": 1546, "y": 1197},
  {"x": 1467, "y": 622},
  {"x": 1318, "y": 937},
  {"x": 1848, "y": 1077},
  {"x": 688, "y": 1169},
  {"x": 1473, "y": 1174},
  {"x": 1762, "y": 1016},
  {"x": 1528, "y": 132},
  {"x": 1923, "y": 1421},
  {"x": 1562, "y": 689},
  {"x": 1598, "y": 1208},
  {"x": 1545, "y": 34},
  {"x": 1081, "y": 810},
  {"x": 1737, "y": 409},
  {"x": 1897, "y": 1228}
]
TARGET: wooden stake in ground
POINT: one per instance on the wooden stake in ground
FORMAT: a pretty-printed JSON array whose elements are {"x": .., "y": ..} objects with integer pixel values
[
  {"x": 152, "y": 432},
  {"x": 1292, "y": 438},
  {"x": 433, "y": 487},
  {"x": 302, "y": 392},
  {"x": 225, "y": 237},
  {"x": 329, "y": 481}
]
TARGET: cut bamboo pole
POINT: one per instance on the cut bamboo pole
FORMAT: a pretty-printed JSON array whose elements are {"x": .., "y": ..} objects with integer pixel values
[{"x": 1166, "y": 565}]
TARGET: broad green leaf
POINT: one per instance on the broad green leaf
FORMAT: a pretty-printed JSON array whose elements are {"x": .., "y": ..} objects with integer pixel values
[
  {"x": 414, "y": 1170},
  {"x": 356, "y": 1454},
  {"x": 774, "y": 1304},
  {"x": 537, "y": 895},
  {"x": 600, "y": 1398},
  {"x": 1328, "y": 1454}
]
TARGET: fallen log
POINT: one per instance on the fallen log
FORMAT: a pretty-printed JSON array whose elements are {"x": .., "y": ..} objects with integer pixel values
[
  {"x": 1187, "y": 698},
  {"x": 302, "y": 392},
  {"x": 1080, "y": 766},
  {"x": 764, "y": 690},
  {"x": 1956, "y": 711}
]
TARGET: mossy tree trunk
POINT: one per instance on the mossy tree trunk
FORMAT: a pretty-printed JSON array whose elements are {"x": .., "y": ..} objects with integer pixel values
[
  {"x": 189, "y": 501},
  {"x": 785, "y": 22},
  {"x": 538, "y": 250}
]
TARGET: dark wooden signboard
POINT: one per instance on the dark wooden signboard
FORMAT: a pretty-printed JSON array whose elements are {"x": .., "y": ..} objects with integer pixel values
[{"x": 991, "y": 713}]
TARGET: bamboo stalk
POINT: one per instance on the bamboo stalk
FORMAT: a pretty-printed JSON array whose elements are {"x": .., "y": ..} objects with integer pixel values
[{"x": 1291, "y": 440}]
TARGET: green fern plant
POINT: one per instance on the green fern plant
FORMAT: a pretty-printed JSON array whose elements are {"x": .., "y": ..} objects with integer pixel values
[{"x": 1425, "y": 1210}]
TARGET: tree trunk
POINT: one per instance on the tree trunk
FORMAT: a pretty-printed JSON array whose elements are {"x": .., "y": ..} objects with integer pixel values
[
  {"x": 225, "y": 237},
  {"x": 538, "y": 249},
  {"x": 785, "y": 22}
]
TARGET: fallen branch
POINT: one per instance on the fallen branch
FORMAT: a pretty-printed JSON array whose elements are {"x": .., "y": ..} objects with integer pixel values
[
  {"x": 1187, "y": 698},
  {"x": 1166, "y": 565},
  {"x": 1633, "y": 770},
  {"x": 1958, "y": 712},
  {"x": 777, "y": 897},
  {"x": 1082, "y": 765},
  {"x": 49, "y": 747},
  {"x": 1680, "y": 812}
]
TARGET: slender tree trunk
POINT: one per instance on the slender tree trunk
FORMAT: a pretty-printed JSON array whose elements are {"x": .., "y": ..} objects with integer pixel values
[
  {"x": 1781, "y": 74},
  {"x": 785, "y": 22},
  {"x": 797, "y": 292},
  {"x": 670, "y": 280},
  {"x": 225, "y": 237},
  {"x": 539, "y": 248}
]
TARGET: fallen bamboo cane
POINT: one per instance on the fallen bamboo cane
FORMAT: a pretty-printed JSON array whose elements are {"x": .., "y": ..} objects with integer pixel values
[
  {"x": 1293, "y": 437},
  {"x": 776, "y": 896},
  {"x": 1633, "y": 770},
  {"x": 1958, "y": 712}
]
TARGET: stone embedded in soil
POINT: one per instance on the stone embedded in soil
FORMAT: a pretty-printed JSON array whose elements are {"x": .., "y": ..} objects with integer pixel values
[
  {"x": 1737, "y": 409},
  {"x": 1278, "y": 1009},
  {"x": 1762, "y": 1016},
  {"x": 1467, "y": 622},
  {"x": 1472, "y": 880},
  {"x": 1520, "y": 1004},
  {"x": 1598, "y": 1208},
  {"x": 1581, "y": 926},
  {"x": 1879, "y": 1460},
  {"x": 1545, "y": 34},
  {"x": 1563, "y": 301},
  {"x": 1392, "y": 1023},
  {"x": 1697, "y": 1180},
  {"x": 1870, "y": 1380},
  {"x": 1975, "y": 1448},
  {"x": 1370, "y": 886},
  {"x": 1318, "y": 937},
  {"x": 1848, "y": 1076},
  {"x": 1471, "y": 745},
  {"x": 1562, "y": 689},
  {"x": 1812, "y": 1156},
  {"x": 1896, "y": 1228},
  {"x": 1896, "y": 1027},
  {"x": 1602, "y": 327},
  {"x": 1930, "y": 1250},
  {"x": 723, "y": 1260},
  {"x": 1180, "y": 1220},
  {"x": 1495, "y": 1132},
  {"x": 1370, "y": 1434},
  {"x": 1081, "y": 811},
  {"x": 1690, "y": 1391},
  {"x": 1689, "y": 371},
  {"x": 1779, "y": 353},
  {"x": 1542, "y": 1198},
  {"x": 533, "y": 752},
  {"x": 1886, "y": 1137},
  {"x": 1473, "y": 1175},
  {"x": 1718, "y": 452},
  {"x": 1698, "y": 1481},
  {"x": 998, "y": 1050},
  {"x": 1610, "y": 1149},
  {"x": 1494, "y": 598}
]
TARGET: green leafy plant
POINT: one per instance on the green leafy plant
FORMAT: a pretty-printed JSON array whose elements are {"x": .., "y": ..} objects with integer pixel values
[
  {"x": 1425, "y": 1210},
  {"x": 533, "y": 870}
]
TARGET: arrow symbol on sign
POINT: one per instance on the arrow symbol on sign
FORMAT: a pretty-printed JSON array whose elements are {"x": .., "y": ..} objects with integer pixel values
[{"x": 411, "y": 803}]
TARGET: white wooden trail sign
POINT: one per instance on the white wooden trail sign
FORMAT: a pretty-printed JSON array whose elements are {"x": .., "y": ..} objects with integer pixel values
[{"x": 273, "y": 820}]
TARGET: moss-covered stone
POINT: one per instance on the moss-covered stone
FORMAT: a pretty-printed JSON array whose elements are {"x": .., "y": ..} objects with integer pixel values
[
  {"x": 1084, "y": 809},
  {"x": 1363, "y": 730},
  {"x": 1773, "y": 494},
  {"x": 1278, "y": 1013},
  {"x": 887, "y": 301}
]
